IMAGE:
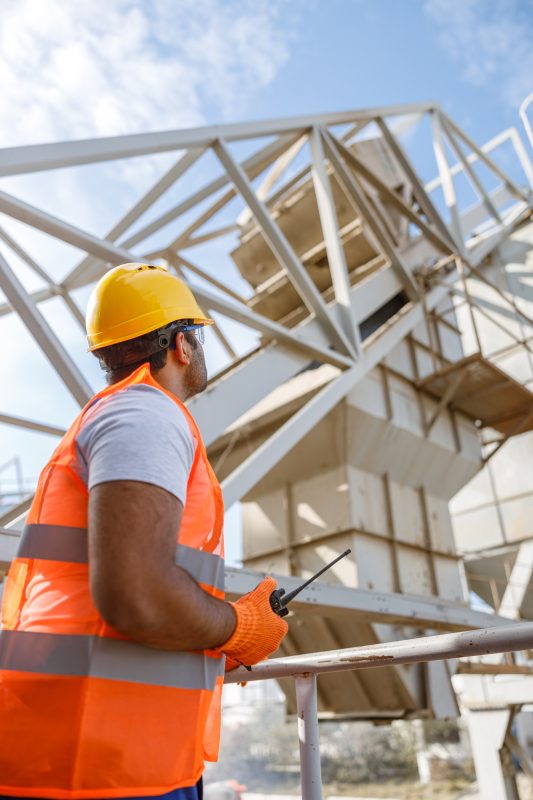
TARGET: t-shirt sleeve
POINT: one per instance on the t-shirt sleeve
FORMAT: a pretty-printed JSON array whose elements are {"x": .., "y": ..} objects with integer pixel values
[{"x": 137, "y": 434}]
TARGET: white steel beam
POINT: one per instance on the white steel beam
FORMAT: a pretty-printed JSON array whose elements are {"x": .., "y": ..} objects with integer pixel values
[
  {"x": 24, "y": 256},
  {"x": 392, "y": 197},
  {"x": 273, "y": 176},
  {"x": 487, "y": 733},
  {"x": 510, "y": 134},
  {"x": 141, "y": 206},
  {"x": 35, "y": 158},
  {"x": 282, "y": 249},
  {"x": 183, "y": 238},
  {"x": 54, "y": 289},
  {"x": 513, "y": 188},
  {"x": 36, "y": 297},
  {"x": 60, "y": 229},
  {"x": 490, "y": 691},
  {"x": 423, "y": 199},
  {"x": 43, "y": 334},
  {"x": 178, "y": 260},
  {"x": 241, "y": 313},
  {"x": 447, "y": 184},
  {"x": 483, "y": 194},
  {"x": 253, "y": 165},
  {"x": 9, "y": 543},
  {"x": 353, "y": 189},
  {"x": 334, "y": 248},
  {"x": 17, "y": 511},
  {"x": 519, "y": 582},
  {"x": 361, "y": 605},
  {"x": 31, "y": 425}
]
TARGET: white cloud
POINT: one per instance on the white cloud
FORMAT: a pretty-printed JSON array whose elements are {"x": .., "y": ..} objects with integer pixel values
[
  {"x": 90, "y": 68},
  {"x": 491, "y": 40},
  {"x": 86, "y": 68}
]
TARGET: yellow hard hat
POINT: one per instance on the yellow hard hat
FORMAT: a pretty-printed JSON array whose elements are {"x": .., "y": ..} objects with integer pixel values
[{"x": 134, "y": 299}]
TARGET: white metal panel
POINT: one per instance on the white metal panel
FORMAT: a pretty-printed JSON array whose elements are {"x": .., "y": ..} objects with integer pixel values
[
  {"x": 468, "y": 437},
  {"x": 450, "y": 342},
  {"x": 510, "y": 480},
  {"x": 313, "y": 557},
  {"x": 374, "y": 563},
  {"x": 517, "y": 364},
  {"x": 415, "y": 571},
  {"x": 405, "y": 405},
  {"x": 369, "y": 395},
  {"x": 420, "y": 333},
  {"x": 442, "y": 431},
  {"x": 440, "y": 526},
  {"x": 277, "y": 563},
  {"x": 449, "y": 579},
  {"x": 477, "y": 492},
  {"x": 368, "y": 502},
  {"x": 321, "y": 505},
  {"x": 400, "y": 359},
  {"x": 517, "y": 514},
  {"x": 265, "y": 523},
  {"x": 407, "y": 514},
  {"x": 478, "y": 529}
]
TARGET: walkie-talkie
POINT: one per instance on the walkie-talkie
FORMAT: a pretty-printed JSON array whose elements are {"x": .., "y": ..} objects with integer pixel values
[{"x": 278, "y": 598}]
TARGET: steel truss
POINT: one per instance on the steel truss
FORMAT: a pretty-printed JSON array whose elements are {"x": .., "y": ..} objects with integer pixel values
[{"x": 329, "y": 331}]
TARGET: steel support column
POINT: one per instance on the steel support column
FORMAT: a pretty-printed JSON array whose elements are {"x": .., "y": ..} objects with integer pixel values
[
  {"x": 308, "y": 736},
  {"x": 494, "y": 768},
  {"x": 334, "y": 248},
  {"x": 519, "y": 581},
  {"x": 43, "y": 334},
  {"x": 282, "y": 249},
  {"x": 355, "y": 191}
]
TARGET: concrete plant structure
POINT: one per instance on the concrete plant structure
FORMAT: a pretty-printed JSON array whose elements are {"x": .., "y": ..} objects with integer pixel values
[{"x": 373, "y": 391}]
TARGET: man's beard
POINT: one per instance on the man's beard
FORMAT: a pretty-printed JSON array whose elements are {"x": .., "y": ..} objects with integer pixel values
[{"x": 195, "y": 379}]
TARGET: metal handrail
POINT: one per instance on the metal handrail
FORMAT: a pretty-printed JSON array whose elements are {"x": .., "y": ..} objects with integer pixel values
[{"x": 304, "y": 669}]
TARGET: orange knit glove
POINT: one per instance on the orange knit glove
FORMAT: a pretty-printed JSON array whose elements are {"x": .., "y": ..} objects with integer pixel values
[
  {"x": 259, "y": 630},
  {"x": 231, "y": 664}
]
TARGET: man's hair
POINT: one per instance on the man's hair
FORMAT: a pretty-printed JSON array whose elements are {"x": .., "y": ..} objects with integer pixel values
[{"x": 120, "y": 360}]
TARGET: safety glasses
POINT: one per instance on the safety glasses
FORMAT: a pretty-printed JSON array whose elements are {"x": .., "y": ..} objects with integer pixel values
[{"x": 198, "y": 331}]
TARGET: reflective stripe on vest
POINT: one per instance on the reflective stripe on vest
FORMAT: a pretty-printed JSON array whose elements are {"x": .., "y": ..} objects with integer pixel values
[
  {"x": 65, "y": 543},
  {"x": 114, "y": 659}
]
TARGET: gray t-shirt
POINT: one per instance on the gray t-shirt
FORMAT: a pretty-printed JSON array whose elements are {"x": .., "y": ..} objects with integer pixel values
[{"x": 136, "y": 434}]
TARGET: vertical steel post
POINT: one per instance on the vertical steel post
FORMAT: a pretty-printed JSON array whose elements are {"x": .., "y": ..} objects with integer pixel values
[{"x": 311, "y": 780}]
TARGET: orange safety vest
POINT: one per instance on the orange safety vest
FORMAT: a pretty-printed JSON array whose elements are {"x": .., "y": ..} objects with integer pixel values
[{"x": 84, "y": 711}]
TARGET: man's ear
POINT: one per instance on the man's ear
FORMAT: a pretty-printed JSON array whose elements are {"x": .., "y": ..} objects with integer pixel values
[{"x": 183, "y": 349}]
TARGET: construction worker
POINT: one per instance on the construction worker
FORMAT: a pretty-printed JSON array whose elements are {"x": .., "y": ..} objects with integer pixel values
[{"x": 115, "y": 629}]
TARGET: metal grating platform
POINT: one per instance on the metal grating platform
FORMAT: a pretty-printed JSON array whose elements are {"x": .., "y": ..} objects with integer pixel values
[{"x": 484, "y": 392}]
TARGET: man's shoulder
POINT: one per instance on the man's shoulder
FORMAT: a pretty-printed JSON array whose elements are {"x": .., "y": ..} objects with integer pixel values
[
  {"x": 133, "y": 408},
  {"x": 134, "y": 399}
]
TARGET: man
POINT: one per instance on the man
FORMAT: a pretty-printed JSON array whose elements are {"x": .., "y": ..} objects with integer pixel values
[{"x": 114, "y": 623}]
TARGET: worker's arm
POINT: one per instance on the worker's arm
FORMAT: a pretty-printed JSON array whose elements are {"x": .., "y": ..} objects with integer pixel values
[{"x": 136, "y": 585}]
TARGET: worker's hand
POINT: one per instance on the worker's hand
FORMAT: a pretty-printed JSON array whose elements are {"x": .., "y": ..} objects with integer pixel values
[{"x": 259, "y": 630}]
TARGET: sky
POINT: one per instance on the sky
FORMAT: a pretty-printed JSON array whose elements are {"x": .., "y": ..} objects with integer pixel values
[{"x": 89, "y": 68}]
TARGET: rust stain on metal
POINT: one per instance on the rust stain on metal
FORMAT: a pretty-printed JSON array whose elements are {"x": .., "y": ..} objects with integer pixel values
[{"x": 370, "y": 659}]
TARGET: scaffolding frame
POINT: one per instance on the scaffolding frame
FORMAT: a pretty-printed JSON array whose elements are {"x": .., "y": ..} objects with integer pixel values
[{"x": 305, "y": 669}]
